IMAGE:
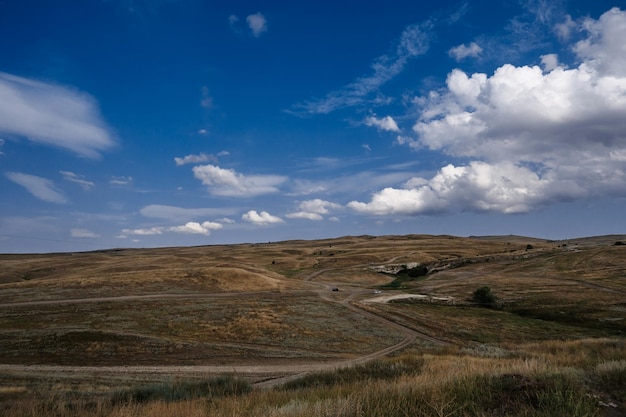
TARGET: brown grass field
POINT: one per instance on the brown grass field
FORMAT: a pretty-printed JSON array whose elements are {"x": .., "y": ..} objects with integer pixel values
[{"x": 78, "y": 329}]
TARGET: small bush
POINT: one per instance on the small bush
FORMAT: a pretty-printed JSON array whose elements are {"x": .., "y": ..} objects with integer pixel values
[{"x": 484, "y": 297}]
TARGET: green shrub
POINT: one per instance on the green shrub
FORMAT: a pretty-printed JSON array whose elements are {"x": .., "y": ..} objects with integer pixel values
[{"x": 484, "y": 297}]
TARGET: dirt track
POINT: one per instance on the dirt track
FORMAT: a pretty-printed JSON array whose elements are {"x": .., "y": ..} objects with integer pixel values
[{"x": 265, "y": 375}]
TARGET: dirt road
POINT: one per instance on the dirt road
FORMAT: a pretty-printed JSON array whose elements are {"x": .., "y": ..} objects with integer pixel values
[{"x": 265, "y": 375}]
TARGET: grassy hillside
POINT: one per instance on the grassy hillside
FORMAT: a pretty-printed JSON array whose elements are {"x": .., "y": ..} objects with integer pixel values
[{"x": 329, "y": 327}]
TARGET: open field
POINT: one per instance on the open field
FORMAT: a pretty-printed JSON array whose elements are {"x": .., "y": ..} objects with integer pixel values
[{"x": 87, "y": 325}]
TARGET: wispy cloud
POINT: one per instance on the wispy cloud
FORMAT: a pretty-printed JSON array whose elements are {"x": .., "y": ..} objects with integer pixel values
[
  {"x": 159, "y": 211},
  {"x": 414, "y": 41},
  {"x": 228, "y": 182},
  {"x": 206, "y": 101},
  {"x": 121, "y": 180},
  {"x": 78, "y": 179},
  {"x": 42, "y": 188},
  {"x": 52, "y": 115},
  {"x": 530, "y": 30},
  {"x": 84, "y": 234},
  {"x": 194, "y": 159}
]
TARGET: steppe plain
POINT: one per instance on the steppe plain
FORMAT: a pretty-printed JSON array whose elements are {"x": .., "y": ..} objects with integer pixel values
[{"x": 92, "y": 324}]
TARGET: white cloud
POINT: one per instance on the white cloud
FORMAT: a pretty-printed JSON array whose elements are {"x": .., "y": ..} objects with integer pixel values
[
  {"x": 42, "y": 188},
  {"x": 414, "y": 41},
  {"x": 550, "y": 62},
  {"x": 535, "y": 136},
  {"x": 203, "y": 132},
  {"x": 194, "y": 159},
  {"x": 78, "y": 179},
  {"x": 52, "y": 115},
  {"x": 227, "y": 182},
  {"x": 203, "y": 228},
  {"x": 257, "y": 24},
  {"x": 84, "y": 234},
  {"x": 313, "y": 209},
  {"x": 150, "y": 231},
  {"x": 479, "y": 186},
  {"x": 1, "y": 145},
  {"x": 120, "y": 180},
  {"x": 604, "y": 49},
  {"x": 461, "y": 52},
  {"x": 179, "y": 213},
  {"x": 263, "y": 218},
  {"x": 386, "y": 123}
]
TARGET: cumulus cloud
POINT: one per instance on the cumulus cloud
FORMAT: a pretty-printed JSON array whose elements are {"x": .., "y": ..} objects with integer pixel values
[
  {"x": 313, "y": 209},
  {"x": 534, "y": 136},
  {"x": 461, "y": 52},
  {"x": 78, "y": 179},
  {"x": 479, "y": 186},
  {"x": 42, "y": 188},
  {"x": 386, "y": 123},
  {"x": 263, "y": 218},
  {"x": 52, "y": 115},
  {"x": 228, "y": 182},
  {"x": 203, "y": 228},
  {"x": 194, "y": 159},
  {"x": 257, "y": 24}
]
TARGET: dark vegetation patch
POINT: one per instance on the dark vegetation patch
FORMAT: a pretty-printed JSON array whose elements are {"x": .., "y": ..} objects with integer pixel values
[
  {"x": 405, "y": 275},
  {"x": 223, "y": 386},
  {"x": 525, "y": 395},
  {"x": 376, "y": 370}
]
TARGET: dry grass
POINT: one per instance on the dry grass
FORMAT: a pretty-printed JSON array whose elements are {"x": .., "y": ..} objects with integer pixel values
[{"x": 555, "y": 342}]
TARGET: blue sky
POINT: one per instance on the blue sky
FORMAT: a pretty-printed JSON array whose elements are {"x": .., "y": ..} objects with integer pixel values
[{"x": 143, "y": 123}]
